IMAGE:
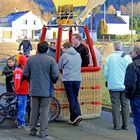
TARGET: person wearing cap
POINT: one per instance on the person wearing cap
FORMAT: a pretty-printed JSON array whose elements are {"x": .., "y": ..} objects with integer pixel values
[
  {"x": 132, "y": 84},
  {"x": 41, "y": 70},
  {"x": 114, "y": 73}
]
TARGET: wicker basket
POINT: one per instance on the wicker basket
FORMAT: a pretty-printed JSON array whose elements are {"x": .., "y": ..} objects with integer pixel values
[{"x": 90, "y": 98}]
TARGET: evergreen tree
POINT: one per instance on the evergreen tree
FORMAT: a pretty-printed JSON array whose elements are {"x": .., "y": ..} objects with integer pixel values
[
  {"x": 111, "y": 10},
  {"x": 102, "y": 27},
  {"x": 135, "y": 22}
]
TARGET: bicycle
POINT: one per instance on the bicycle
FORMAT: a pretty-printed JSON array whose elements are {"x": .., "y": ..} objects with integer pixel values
[{"x": 10, "y": 107}]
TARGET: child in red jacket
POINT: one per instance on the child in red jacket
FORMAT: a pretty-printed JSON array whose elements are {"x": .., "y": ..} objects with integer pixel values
[{"x": 21, "y": 90}]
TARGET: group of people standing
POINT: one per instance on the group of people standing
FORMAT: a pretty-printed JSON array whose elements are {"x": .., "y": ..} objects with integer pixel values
[
  {"x": 39, "y": 72},
  {"x": 122, "y": 72}
]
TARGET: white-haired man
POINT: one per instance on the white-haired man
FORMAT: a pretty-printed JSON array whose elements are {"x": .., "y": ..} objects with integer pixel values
[{"x": 114, "y": 72}]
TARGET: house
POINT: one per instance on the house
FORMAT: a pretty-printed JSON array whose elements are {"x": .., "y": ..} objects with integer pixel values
[
  {"x": 117, "y": 24},
  {"x": 18, "y": 24}
]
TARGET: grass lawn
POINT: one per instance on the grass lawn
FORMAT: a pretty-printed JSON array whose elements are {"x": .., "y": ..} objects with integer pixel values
[
  {"x": 105, "y": 93},
  {"x": 2, "y": 79}
]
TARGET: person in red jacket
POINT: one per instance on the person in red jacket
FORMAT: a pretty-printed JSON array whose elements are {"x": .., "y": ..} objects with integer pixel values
[{"x": 21, "y": 90}]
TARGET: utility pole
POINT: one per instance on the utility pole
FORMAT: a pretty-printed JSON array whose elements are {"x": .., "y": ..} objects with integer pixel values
[
  {"x": 104, "y": 12},
  {"x": 132, "y": 13}
]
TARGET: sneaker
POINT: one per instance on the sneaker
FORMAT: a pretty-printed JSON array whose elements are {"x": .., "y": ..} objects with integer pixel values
[
  {"x": 116, "y": 128},
  {"x": 125, "y": 127},
  {"x": 69, "y": 122},
  {"x": 21, "y": 126},
  {"x": 38, "y": 124},
  {"x": 32, "y": 134},
  {"x": 77, "y": 121}
]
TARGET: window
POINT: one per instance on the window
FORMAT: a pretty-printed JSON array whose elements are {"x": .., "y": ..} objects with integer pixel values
[
  {"x": 34, "y": 22},
  {"x": 25, "y": 21},
  {"x": 24, "y": 32},
  {"x": 7, "y": 34},
  {"x": 54, "y": 35}
]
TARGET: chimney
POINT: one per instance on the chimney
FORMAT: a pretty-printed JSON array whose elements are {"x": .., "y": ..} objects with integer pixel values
[
  {"x": 118, "y": 13},
  {"x": 15, "y": 10}
]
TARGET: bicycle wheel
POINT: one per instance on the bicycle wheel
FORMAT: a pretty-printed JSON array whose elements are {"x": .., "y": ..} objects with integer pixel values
[
  {"x": 2, "y": 114},
  {"x": 54, "y": 109},
  {"x": 12, "y": 110}
]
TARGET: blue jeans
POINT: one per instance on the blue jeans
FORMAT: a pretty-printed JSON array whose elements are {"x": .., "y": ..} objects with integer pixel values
[
  {"x": 72, "y": 89},
  {"x": 22, "y": 100},
  {"x": 135, "y": 106}
]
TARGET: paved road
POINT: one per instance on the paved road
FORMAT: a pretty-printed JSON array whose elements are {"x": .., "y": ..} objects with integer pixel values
[
  {"x": 93, "y": 129},
  {"x": 2, "y": 89}
]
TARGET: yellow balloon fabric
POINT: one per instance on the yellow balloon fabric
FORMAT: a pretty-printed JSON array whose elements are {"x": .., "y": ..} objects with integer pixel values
[{"x": 75, "y": 3}]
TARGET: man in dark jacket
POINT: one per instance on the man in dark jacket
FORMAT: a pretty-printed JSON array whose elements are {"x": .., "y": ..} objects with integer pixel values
[
  {"x": 81, "y": 49},
  {"x": 42, "y": 70},
  {"x": 132, "y": 84},
  {"x": 27, "y": 47}
]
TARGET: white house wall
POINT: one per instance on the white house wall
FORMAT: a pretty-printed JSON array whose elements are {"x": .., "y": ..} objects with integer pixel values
[
  {"x": 118, "y": 29},
  {"x": 19, "y": 25},
  {"x": 125, "y": 18},
  {"x": 65, "y": 34}
]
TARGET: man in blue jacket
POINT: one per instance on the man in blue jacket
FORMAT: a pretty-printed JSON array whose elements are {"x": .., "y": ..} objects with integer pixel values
[
  {"x": 114, "y": 72},
  {"x": 132, "y": 84}
]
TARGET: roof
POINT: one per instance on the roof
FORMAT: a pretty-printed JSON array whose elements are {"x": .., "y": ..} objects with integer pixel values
[
  {"x": 7, "y": 21},
  {"x": 110, "y": 19},
  {"x": 79, "y": 8},
  {"x": 52, "y": 21}
]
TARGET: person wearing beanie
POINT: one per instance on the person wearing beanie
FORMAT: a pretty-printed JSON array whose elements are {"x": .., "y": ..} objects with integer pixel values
[
  {"x": 114, "y": 73},
  {"x": 21, "y": 90}
]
